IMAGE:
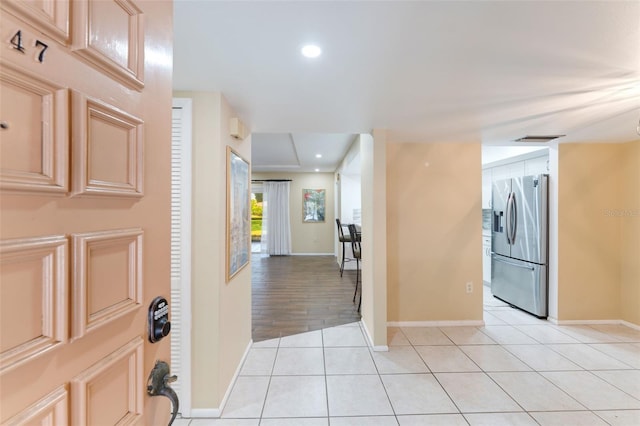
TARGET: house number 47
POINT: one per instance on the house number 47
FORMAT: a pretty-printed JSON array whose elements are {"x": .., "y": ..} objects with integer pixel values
[{"x": 16, "y": 42}]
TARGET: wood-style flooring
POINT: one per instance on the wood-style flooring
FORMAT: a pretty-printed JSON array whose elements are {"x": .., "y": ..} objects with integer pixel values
[{"x": 295, "y": 294}]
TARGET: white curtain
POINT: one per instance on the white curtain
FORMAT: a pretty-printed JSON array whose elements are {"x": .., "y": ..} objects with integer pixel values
[{"x": 276, "y": 223}]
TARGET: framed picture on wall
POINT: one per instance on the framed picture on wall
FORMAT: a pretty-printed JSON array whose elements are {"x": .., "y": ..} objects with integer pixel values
[
  {"x": 238, "y": 213},
  {"x": 313, "y": 205}
]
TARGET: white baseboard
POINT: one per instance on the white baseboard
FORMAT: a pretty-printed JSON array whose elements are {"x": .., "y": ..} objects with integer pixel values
[
  {"x": 586, "y": 322},
  {"x": 481, "y": 323},
  {"x": 313, "y": 254},
  {"x": 235, "y": 376},
  {"x": 379, "y": 348},
  {"x": 630, "y": 325},
  {"x": 596, "y": 322},
  {"x": 468, "y": 323},
  {"x": 216, "y": 412}
]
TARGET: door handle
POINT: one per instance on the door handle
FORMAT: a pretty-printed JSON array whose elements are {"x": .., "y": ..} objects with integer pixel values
[
  {"x": 508, "y": 219},
  {"x": 530, "y": 268},
  {"x": 158, "y": 385},
  {"x": 514, "y": 219}
]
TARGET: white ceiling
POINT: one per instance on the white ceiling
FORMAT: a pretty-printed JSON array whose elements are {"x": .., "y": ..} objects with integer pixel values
[
  {"x": 428, "y": 71},
  {"x": 297, "y": 152}
]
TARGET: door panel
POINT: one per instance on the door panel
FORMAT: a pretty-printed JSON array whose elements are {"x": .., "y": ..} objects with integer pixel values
[
  {"x": 521, "y": 284},
  {"x": 50, "y": 410},
  {"x": 107, "y": 278},
  {"x": 530, "y": 242},
  {"x": 107, "y": 149},
  {"x": 97, "y": 24},
  {"x": 34, "y": 149},
  {"x": 32, "y": 269},
  {"x": 110, "y": 391},
  {"x": 83, "y": 246},
  {"x": 51, "y": 17}
]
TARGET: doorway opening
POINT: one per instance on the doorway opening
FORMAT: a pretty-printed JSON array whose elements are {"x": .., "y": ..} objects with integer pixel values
[
  {"x": 256, "y": 218},
  {"x": 500, "y": 164}
]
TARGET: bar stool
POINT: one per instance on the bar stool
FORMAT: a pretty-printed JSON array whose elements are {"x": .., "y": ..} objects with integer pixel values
[
  {"x": 343, "y": 239},
  {"x": 357, "y": 254}
]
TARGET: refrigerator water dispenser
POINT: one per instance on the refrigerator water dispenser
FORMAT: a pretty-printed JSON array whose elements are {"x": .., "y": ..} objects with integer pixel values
[{"x": 497, "y": 222}]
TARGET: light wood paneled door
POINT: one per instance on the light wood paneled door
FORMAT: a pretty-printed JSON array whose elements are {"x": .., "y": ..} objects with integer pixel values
[{"x": 85, "y": 155}]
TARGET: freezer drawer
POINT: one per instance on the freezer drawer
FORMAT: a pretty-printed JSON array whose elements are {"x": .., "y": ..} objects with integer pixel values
[{"x": 519, "y": 283}]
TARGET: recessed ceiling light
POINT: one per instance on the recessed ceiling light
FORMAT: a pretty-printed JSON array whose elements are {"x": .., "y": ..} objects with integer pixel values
[
  {"x": 317, "y": 170},
  {"x": 311, "y": 51},
  {"x": 318, "y": 155}
]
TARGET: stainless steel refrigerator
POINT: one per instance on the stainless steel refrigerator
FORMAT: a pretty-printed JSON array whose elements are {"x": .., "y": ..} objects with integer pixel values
[{"x": 519, "y": 243}]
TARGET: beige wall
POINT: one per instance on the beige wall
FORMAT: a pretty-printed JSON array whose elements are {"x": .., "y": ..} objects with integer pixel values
[
  {"x": 221, "y": 312},
  {"x": 316, "y": 238},
  {"x": 630, "y": 204},
  {"x": 590, "y": 185},
  {"x": 235, "y": 296},
  {"x": 434, "y": 231}
]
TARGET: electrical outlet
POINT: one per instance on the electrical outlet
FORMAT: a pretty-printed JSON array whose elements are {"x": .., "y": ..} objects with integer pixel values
[{"x": 470, "y": 287}]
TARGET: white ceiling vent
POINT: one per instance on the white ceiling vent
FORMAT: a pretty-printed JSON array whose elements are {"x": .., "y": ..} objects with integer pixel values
[{"x": 538, "y": 138}]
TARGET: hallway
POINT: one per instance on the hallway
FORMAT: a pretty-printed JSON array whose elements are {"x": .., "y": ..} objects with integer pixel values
[
  {"x": 296, "y": 294},
  {"x": 515, "y": 370}
]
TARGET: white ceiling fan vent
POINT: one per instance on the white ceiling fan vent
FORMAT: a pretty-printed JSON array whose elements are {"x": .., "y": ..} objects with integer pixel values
[{"x": 538, "y": 138}]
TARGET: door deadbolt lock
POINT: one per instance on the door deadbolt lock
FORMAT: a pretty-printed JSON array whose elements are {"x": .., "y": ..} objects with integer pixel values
[{"x": 159, "y": 325}]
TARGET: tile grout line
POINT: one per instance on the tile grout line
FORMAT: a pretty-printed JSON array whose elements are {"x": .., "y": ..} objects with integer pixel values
[
  {"x": 611, "y": 356},
  {"x": 504, "y": 346},
  {"x": 611, "y": 384},
  {"x": 532, "y": 370},
  {"x": 582, "y": 369},
  {"x": 266, "y": 395},
  {"x": 386, "y": 392},
  {"x": 434, "y": 375},
  {"x": 326, "y": 384}
]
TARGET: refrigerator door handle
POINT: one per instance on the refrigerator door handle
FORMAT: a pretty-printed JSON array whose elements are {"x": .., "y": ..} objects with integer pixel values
[
  {"x": 514, "y": 219},
  {"x": 497, "y": 259},
  {"x": 508, "y": 220}
]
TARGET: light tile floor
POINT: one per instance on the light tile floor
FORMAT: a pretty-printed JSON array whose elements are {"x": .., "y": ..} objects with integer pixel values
[{"x": 516, "y": 370}]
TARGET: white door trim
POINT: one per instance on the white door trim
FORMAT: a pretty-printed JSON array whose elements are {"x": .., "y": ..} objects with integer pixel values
[{"x": 183, "y": 315}]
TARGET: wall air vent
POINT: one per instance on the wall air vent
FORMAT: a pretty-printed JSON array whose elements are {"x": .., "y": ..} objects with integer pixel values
[{"x": 538, "y": 138}]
